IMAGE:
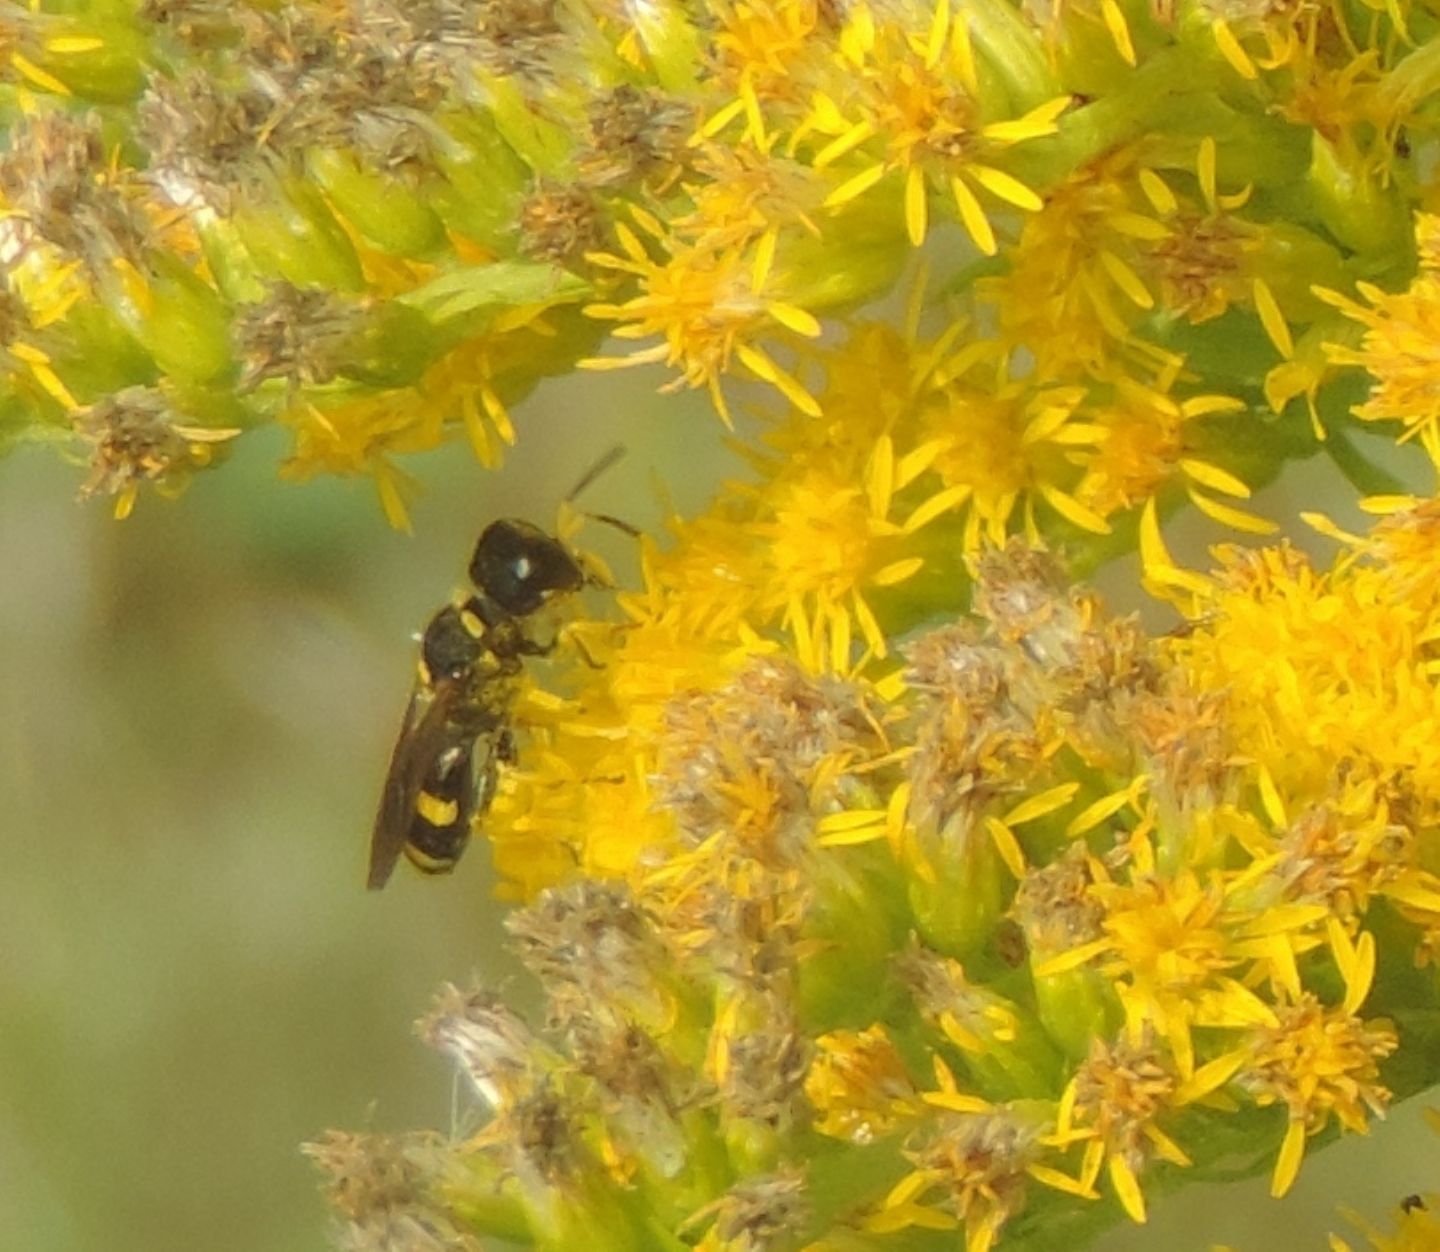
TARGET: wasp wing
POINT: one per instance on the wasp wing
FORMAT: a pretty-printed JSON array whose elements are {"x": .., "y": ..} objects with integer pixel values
[{"x": 428, "y": 729}]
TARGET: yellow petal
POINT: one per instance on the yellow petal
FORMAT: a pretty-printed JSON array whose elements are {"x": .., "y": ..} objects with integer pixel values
[
  {"x": 1287, "y": 1165},
  {"x": 973, "y": 217}
]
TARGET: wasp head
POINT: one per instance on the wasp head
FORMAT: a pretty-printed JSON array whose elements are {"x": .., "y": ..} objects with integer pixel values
[{"x": 520, "y": 567}]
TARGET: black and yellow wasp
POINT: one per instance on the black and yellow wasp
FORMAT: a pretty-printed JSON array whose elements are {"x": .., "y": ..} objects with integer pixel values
[{"x": 456, "y": 731}]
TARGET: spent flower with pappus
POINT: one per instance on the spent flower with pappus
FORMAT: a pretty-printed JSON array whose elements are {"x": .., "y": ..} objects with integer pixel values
[{"x": 885, "y": 889}]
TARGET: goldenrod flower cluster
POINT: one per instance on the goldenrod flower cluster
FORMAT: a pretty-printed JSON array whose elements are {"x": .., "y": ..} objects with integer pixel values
[{"x": 885, "y": 889}]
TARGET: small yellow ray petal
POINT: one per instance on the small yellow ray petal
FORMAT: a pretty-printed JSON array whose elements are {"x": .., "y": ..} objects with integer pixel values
[
  {"x": 1158, "y": 192},
  {"x": 1101, "y": 810},
  {"x": 1007, "y": 846},
  {"x": 1114, "y": 18},
  {"x": 1231, "y": 50},
  {"x": 1127, "y": 1189},
  {"x": 957, "y": 1102},
  {"x": 1159, "y": 565},
  {"x": 838, "y": 623},
  {"x": 764, "y": 259},
  {"x": 910, "y": 1186},
  {"x": 1270, "y": 799},
  {"x": 1272, "y": 319},
  {"x": 73, "y": 43},
  {"x": 1321, "y": 524},
  {"x": 973, "y": 217},
  {"x": 897, "y": 571},
  {"x": 853, "y": 187},
  {"x": 630, "y": 241},
  {"x": 1165, "y": 1147},
  {"x": 1420, "y": 894},
  {"x": 792, "y": 317},
  {"x": 41, "y": 78},
  {"x": 880, "y": 476},
  {"x": 392, "y": 504},
  {"x": 1006, "y": 186},
  {"x": 719, "y": 121},
  {"x": 1039, "y": 121},
  {"x": 852, "y": 838},
  {"x": 125, "y": 501},
  {"x": 648, "y": 222},
  {"x": 1072, "y": 959},
  {"x": 869, "y": 628},
  {"x": 1381, "y": 506},
  {"x": 1362, "y": 973},
  {"x": 1041, "y": 805},
  {"x": 1060, "y": 1181},
  {"x": 1287, "y": 1165},
  {"x": 936, "y": 506},
  {"x": 1281, "y": 955},
  {"x": 849, "y": 819},
  {"x": 1072, "y": 510},
  {"x": 939, "y": 32},
  {"x": 1209, "y": 1077},
  {"x": 916, "y": 206},
  {"x": 917, "y": 461},
  {"x": 1280, "y": 918},
  {"x": 602, "y": 363},
  {"x": 1341, "y": 948},
  {"x": 1138, "y": 226},
  {"x": 838, "y": 147},
  {"x": 1214, "y": 477},
  {"x": 1127, "y": 280},
  {"x": 1205, "y": 168},
  {"x": 1236, "y": 519}
]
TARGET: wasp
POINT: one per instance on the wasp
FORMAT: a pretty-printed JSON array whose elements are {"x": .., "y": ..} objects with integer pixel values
[{"x": 457, "y": 728}]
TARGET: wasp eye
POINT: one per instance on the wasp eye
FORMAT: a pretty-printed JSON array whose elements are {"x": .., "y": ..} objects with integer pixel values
[{"x": 519, "y": 567}]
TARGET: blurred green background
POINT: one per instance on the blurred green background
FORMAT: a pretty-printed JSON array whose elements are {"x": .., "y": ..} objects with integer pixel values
[{"x": 197, "y": 709}]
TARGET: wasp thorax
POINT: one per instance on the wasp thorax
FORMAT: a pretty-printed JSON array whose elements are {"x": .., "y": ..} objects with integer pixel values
[
  {"x": 450, "y": 645},
  {"x": 520, "y": 567}
]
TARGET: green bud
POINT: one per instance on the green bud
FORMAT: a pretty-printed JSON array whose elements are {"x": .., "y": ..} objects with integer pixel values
[
  {"x": 186, "y": 327},
  {"x": 297, "y": 237},
  {"x": 386, "y": 210},
  {"x": 1357, "y": 210},
  {"x": 96, "y": 56},
  {"x": 1075, "y": 1007},
  {"x": 390, "y": 348},
  {"x": 485, "y": 181},
  {"x": 958, "y": 899},
  {"x": 854, "y": 924}
]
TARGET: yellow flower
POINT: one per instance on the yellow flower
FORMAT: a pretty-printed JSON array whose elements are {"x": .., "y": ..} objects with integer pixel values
[
  {"x": 712, "y": 305},
  {"x": 829, "y": 531},
  {"x": 1173, "y": 957},
  {"x": 1073, "y": 290},
  {"x": 859, "y": 1087},
  {"x": 1320, "y": 668},
  {"x": 1142, "y": 445},
  {"x": 1399, "y": 352},
  {"x": 1005, "y": 447},
  {"x": 1114, "y": 1104},
  {"x": 918, "y": 96},
  {"x": 1319, "y": 1063}
]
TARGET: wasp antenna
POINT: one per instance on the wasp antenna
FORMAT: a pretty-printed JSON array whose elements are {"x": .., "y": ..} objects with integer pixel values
[
  {"x": 618, "y": 523},
  {"x": 589, "y": 476}
]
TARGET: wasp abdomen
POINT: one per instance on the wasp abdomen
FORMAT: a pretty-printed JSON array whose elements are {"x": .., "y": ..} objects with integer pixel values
[{"x": 440, "y": 825}]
